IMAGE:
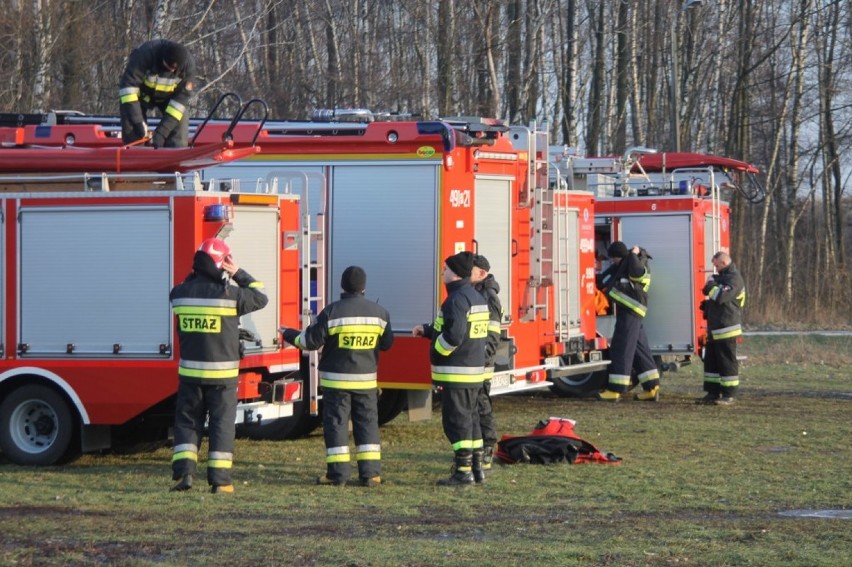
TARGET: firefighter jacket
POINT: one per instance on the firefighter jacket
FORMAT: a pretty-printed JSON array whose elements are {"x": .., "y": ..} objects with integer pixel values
[
  {"x": 458, "y": 338},
  {"x": 725, "y": 301},
  {"x": 147, "y": 83},
  {"x": 208, "y": 314},
  {"x": 489, "y": 288},
  {"x": 351, "y": 332},
  {"x": 627, "y": 283}
]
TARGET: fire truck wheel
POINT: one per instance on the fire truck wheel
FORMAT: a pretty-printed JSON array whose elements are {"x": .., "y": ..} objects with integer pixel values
[
  {"x": 391, "y": 404},
  {"x": 580, "y": 384},
  {"x": 36, "y": 426}
]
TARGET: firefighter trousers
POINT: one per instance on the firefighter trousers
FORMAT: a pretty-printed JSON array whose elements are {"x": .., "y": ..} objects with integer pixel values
[
  {"x": 629, "y": 350},
  {"x": 195, "y": 402},
  {"x": 460, "y": 418},
  {"x": 721, "y": 369},
  {"x": 362, "y": 407},
  {"x": 179, "y": 137},
  {"x": 486, "y": 415}
]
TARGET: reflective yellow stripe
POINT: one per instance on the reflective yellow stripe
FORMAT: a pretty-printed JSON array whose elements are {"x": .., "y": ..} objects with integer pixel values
[
  {"x": 172, "y": 111},
  {"x": 342, "y": 458},
  {"x": 458, "y": 375},
  {"x": 463, "y": 444},
  {"x": 220, "y": 464},
  {"x": 628, "y": 302},
  {"x": 443, "y": 347},
  {"x": 256, "y": 285},
  {"x": 129, "y": 98},
  {"x": 348, "y": 384},
  {"x": 217, "y": 374},
  {"x": 190, "y": 455},
  {"x": 727, "y": 332},
  {"x": 368, "y": 456},
  {"x": 620, "y": 379},
  {"x": 200, "y": 310},
  {"x": 729, "y": 381}
]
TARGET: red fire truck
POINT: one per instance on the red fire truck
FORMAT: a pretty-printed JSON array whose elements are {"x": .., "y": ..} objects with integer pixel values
[
  {"x": 673, "y": 206},
  {"x": 396, "y": 196},
  {"x": 89, "y": 357}
]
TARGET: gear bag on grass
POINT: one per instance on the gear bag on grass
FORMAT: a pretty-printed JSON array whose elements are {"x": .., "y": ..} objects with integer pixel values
[{"x": 552, "y": 441}]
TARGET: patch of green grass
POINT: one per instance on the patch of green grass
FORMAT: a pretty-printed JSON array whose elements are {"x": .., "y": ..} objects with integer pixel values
[{"x": 698, "y": 486}]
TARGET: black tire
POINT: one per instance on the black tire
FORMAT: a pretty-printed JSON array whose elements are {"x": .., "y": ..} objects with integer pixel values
[
  {"x": 391, "y": 404},
  {"x": 37, "y": 426},
  {"x": 580, "y": 385}
]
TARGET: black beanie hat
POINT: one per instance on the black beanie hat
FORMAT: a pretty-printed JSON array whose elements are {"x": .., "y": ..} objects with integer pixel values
[
  {"x": 481, "y": 262},
  {"x": 354, "y": 279},
  {"x": 461, "y": 264},
  {"x": 175, "y": 54},
  {"x": 617, "y": 250}
]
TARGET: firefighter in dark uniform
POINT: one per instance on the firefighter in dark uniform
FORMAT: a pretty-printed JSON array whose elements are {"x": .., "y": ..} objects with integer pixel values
[
  {"x": 486, "y": 285},
  {"x": 723, "y": 306},
  {"x": 457, "y": 357},
  {"x": 208, "y": 312},
  {"x": 159, "y": 74},
  {"x": 626, "y": 282},
  {"x": 351, "y": 332}
]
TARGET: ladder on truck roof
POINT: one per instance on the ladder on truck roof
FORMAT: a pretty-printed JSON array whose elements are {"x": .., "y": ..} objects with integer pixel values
[{"x": 540, "y": 199}]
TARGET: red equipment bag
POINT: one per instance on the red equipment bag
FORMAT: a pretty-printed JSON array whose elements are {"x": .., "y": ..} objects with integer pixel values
[{"x": 552, "y": 441}]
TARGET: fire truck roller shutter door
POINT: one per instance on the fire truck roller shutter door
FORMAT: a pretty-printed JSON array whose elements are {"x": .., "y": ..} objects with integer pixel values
[
  {"x": 493, "y": 222},
  {"x": 669, "y": 239},
  {"x": 384, "y": 219}
]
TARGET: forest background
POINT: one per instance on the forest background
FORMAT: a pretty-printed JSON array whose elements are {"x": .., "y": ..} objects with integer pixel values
[{"x": 764, "y": 82}]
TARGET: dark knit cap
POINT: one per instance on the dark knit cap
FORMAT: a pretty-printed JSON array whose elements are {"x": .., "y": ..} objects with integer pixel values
[
  {"x": 461, "y": 264},
  {"x": 354, "y": 279},
  {"x": 617, "y": 250},
  {"x": 175, "y": 54},
  {"x": 481, "y": 262}
]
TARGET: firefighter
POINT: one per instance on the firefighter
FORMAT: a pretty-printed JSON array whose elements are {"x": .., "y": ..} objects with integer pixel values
[
  {"x": 626, "y": 282},
  {"x": 159, "y": 74},
  {"x": 351, "y": 332},
  {"x": 723, "y": 306},
  {"x": 486, "y": 285},
  {"x": 457, "y": 356},
  {"x": 208, "y": 312}
]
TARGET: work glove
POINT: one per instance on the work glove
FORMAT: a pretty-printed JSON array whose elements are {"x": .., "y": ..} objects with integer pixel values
[
  {"x": 289, "y": 335},
  {"x": 158, "y": 140}
]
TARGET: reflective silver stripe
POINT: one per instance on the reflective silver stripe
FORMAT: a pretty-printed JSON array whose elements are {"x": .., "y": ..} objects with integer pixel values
[
  {"x": 648, "y": 375},
  {"x": 340, "y": 376},
  {"x": 192, "y": 447},
  {"x": 196, "y": 302},
  {"x": 344, "y": 450},
  {"x": 479, "y": 309},
  {"x": 368, "y": 448},
  {"x": 128, "y": 90},
  {"x": 344, "y": 321},
  {"x": 220, "y": 456},
  {"x": 443, "y": 347},
  {"x": 468, "y": 370},
  {"x": 206, "y": 365},
  {"x": 177, "y": 106}
]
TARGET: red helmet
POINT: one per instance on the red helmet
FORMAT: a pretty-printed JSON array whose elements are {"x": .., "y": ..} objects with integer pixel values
[{"x": 216, "y": 249}]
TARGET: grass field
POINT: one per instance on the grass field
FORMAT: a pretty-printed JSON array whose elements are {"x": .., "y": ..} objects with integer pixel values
[{"x": 763, "y": 482}]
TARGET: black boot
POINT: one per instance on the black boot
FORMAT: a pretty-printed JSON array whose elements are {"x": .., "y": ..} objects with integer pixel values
[
  {"x": 478, "y": 472},
  {"x": 462, "y": 471}
]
